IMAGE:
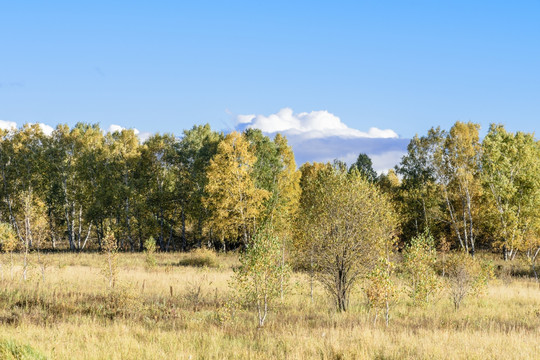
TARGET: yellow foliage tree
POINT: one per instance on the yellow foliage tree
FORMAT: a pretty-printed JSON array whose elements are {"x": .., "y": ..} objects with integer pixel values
[
  {"x": 233, "y": 198},
  {"x": 457, "y": 165},
  {"x": 287, "y": 197}
]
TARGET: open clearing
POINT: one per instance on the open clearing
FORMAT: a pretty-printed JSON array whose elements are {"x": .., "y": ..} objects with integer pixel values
[{"x": 178, "y": 311}]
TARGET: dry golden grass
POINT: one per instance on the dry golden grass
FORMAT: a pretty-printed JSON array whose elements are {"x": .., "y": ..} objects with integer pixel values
[{"x": 175, "y": 311}]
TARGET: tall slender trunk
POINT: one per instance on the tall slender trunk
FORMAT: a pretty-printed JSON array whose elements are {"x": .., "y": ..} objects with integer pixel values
[
  {"x": 184, "y": 242},
  {"x": 99, "y": 231},
  {"x": 245, "y": 236},
  {"x": 128, "y": 215},
  {"x": 169, "y": 242},
  {"x": 161, "y": 229},
  {"x": 282, "y": 275},
  {"x": 139, "y": 225},
  {"x": 311, "y": 275},
  {"x": 79, "y": 235},
  {"x": 199, "y": 232},
  {"x": 128, "y": 225},
  {"x": 12, "y": 219},
  {"x": 51, "y": 228},
  {"x": 341, "y": 290}
]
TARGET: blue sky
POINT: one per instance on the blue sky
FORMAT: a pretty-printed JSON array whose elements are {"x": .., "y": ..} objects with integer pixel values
[{"x": 164, "y": 66}]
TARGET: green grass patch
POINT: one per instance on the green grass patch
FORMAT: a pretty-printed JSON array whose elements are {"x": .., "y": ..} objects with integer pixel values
[{"x": 10, "y": 350}]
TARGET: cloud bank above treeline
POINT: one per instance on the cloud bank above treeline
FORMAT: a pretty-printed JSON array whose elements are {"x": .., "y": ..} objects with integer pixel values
[{"x": 321, "y": 136}]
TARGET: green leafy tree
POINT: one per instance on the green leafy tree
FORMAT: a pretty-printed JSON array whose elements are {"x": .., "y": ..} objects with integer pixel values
[
  {"x": 161, "y": 174},
  {"x": 421, "y": 199},
  {"x": 197, "y": 147},
  {"x": 73, "y": 160},
  {"x": 266, "y": 166},
  {"x": 364, "y": 166},
  {"x": 511, "y": 177},
  {"x": 124, "y": 152}
]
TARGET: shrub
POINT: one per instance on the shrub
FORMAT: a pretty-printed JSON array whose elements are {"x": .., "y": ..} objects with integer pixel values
[
  {"x": 258, "y": 279},
  {"x": 201, "y": 258},
  {"x": 467, "y": 277},
  {"x": 150, "y": 246},
  {"x": 419, "y": 261},
  {"x": 381, "y": 291}
]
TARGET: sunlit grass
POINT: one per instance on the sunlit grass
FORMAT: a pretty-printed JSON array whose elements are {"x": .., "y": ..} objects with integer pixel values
[{"x": 159, "y": 313}]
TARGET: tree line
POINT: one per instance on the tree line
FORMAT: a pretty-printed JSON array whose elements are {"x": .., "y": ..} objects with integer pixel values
[
  {"x": 68, "y": 189},
  {"x": 473, "y": 193}
]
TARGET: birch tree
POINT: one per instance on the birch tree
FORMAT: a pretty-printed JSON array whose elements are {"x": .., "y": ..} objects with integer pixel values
[
  {"x": 258, "y": 279},
  {"x": 511, "y": 177},
  {"x": 124, "y": 151},
  {"x": 457, "y": 168},
  {"x": 235, "y": 201},
  {"x": 421, "y": 194},
  {"x": 196, "y": 148}
]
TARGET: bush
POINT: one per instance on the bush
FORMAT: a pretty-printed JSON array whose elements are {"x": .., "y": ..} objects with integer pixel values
[
  {"x": 467, "y": 276},
  {"x": 419, "y": 261},
  {"x": 150, "y": 246},
  {"x": 258, "y": 279},
  {"x": 381, "y": 291},
  {"x": 201, "y": 258}
]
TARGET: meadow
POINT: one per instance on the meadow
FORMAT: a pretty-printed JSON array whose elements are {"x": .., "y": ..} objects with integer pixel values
[{"x": 181, "y": 309}]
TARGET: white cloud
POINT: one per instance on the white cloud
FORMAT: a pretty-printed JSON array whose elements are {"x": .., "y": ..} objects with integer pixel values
[
  {"x": 47, "y": 130},
  {"x": 143, "y": 136},
  {"x": 245, "y": 119},
  {"x": 385, "y": 161},
  {"x": 322, "y": 137},
  {"x": 115, "y": 128},
  {"x": 312, "y": 125},
  {"x": 7, "y": 125}
]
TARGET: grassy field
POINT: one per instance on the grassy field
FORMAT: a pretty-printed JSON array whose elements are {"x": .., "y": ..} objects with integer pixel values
[{"x": 179, "y": 311}]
